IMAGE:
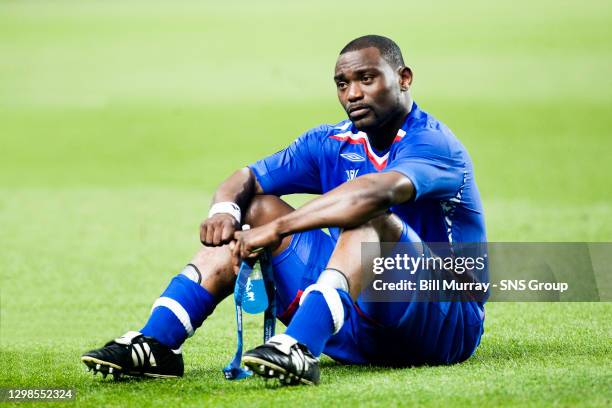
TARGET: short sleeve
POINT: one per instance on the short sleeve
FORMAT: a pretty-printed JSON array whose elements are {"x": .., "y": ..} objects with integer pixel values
[
  {"x": 292, "y": 170},
  {"x": 433, "y": 162}
]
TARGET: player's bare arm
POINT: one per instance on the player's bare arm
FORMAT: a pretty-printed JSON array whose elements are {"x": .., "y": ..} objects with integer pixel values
[
  {"x": 236, "y": 191},
  {"x": 347, "y": 206}
]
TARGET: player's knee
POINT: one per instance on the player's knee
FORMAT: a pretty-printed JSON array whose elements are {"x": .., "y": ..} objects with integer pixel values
[
  {"x": 386, "y": 228},
  {"x": 214, "y": 265},
  {"x": 266, "y": 208},
  {"x": 209, "y": 257}
]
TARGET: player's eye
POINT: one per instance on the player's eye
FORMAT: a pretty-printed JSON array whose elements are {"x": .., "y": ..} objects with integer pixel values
[
  {"x": 367, "y": 79},
  {"x": 341, "y": 85}
]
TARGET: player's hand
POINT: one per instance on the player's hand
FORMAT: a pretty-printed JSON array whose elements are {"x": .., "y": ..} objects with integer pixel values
[
  {"x": 247, "y": 244},
  {"x": 218, "y": 229}
]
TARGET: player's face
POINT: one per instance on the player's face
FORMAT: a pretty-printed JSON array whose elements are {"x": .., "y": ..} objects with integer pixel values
[{"x": 368, "y": 88}]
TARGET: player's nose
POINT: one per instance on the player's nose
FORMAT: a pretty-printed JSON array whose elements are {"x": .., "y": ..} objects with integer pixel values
[{"x": 354, "y": 92}]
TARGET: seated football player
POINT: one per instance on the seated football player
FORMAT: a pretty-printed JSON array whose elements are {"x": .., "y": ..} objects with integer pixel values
[{"x": 390, "y": 172}]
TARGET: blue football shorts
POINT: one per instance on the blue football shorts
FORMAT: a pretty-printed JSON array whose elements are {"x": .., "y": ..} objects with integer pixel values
[{"x": 385, "y": 333}]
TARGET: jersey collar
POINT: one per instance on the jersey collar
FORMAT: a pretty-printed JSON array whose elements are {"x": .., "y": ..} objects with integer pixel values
[{"x": 354, "y": 136}]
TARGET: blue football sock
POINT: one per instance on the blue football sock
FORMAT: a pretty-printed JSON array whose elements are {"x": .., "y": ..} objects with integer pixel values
[
  {"x": 178, "y": 312},
  {"x": 312, "y": 324}
]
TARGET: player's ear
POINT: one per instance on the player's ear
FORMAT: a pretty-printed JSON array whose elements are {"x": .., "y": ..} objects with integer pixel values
[{"x": 405, "y": 75}]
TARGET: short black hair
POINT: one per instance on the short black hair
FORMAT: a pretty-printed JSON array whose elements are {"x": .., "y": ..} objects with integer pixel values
[{"x": 388, "y": 49}]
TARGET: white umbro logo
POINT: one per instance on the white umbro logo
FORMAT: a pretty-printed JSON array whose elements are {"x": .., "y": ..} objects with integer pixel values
[{"x": 354, "y": 157}]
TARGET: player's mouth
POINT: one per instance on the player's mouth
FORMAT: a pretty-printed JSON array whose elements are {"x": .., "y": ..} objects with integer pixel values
[{"x": 357, "y": 112}]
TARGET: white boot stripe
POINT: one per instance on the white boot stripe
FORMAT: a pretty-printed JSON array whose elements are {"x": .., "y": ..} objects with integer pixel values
[
  {"x": 152, "y": 360},
  {"x": 139, "y": 351},
  {"x": 178, "y": 310},
  {"x": 135, "y": 358},
  {"x": 147, "y": 350}
]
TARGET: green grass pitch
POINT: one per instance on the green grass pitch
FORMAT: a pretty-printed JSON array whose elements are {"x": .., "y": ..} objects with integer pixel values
[{"x": 118, "y": 120}]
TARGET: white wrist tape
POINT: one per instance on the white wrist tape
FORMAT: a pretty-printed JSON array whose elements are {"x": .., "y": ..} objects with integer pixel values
[
  {"x": 226, "y": 207},
  {"x": 332, "y": 298}
]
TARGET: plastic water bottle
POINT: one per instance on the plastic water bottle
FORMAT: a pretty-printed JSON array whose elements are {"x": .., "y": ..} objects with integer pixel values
[{"x": 255, "y": 298}]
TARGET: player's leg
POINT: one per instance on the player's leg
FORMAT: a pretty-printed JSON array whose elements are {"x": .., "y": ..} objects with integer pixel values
[
  {"x": 331, "y": 299},
  {"x": 324, "y": 307},
  {"x": 400, "y": 331},
  {"x": 295, "y": 268},
  {"x": 188, "y": 300}
]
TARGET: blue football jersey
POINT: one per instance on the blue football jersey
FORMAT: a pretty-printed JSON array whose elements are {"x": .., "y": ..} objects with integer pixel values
[{"x": 446, "y": 207}]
